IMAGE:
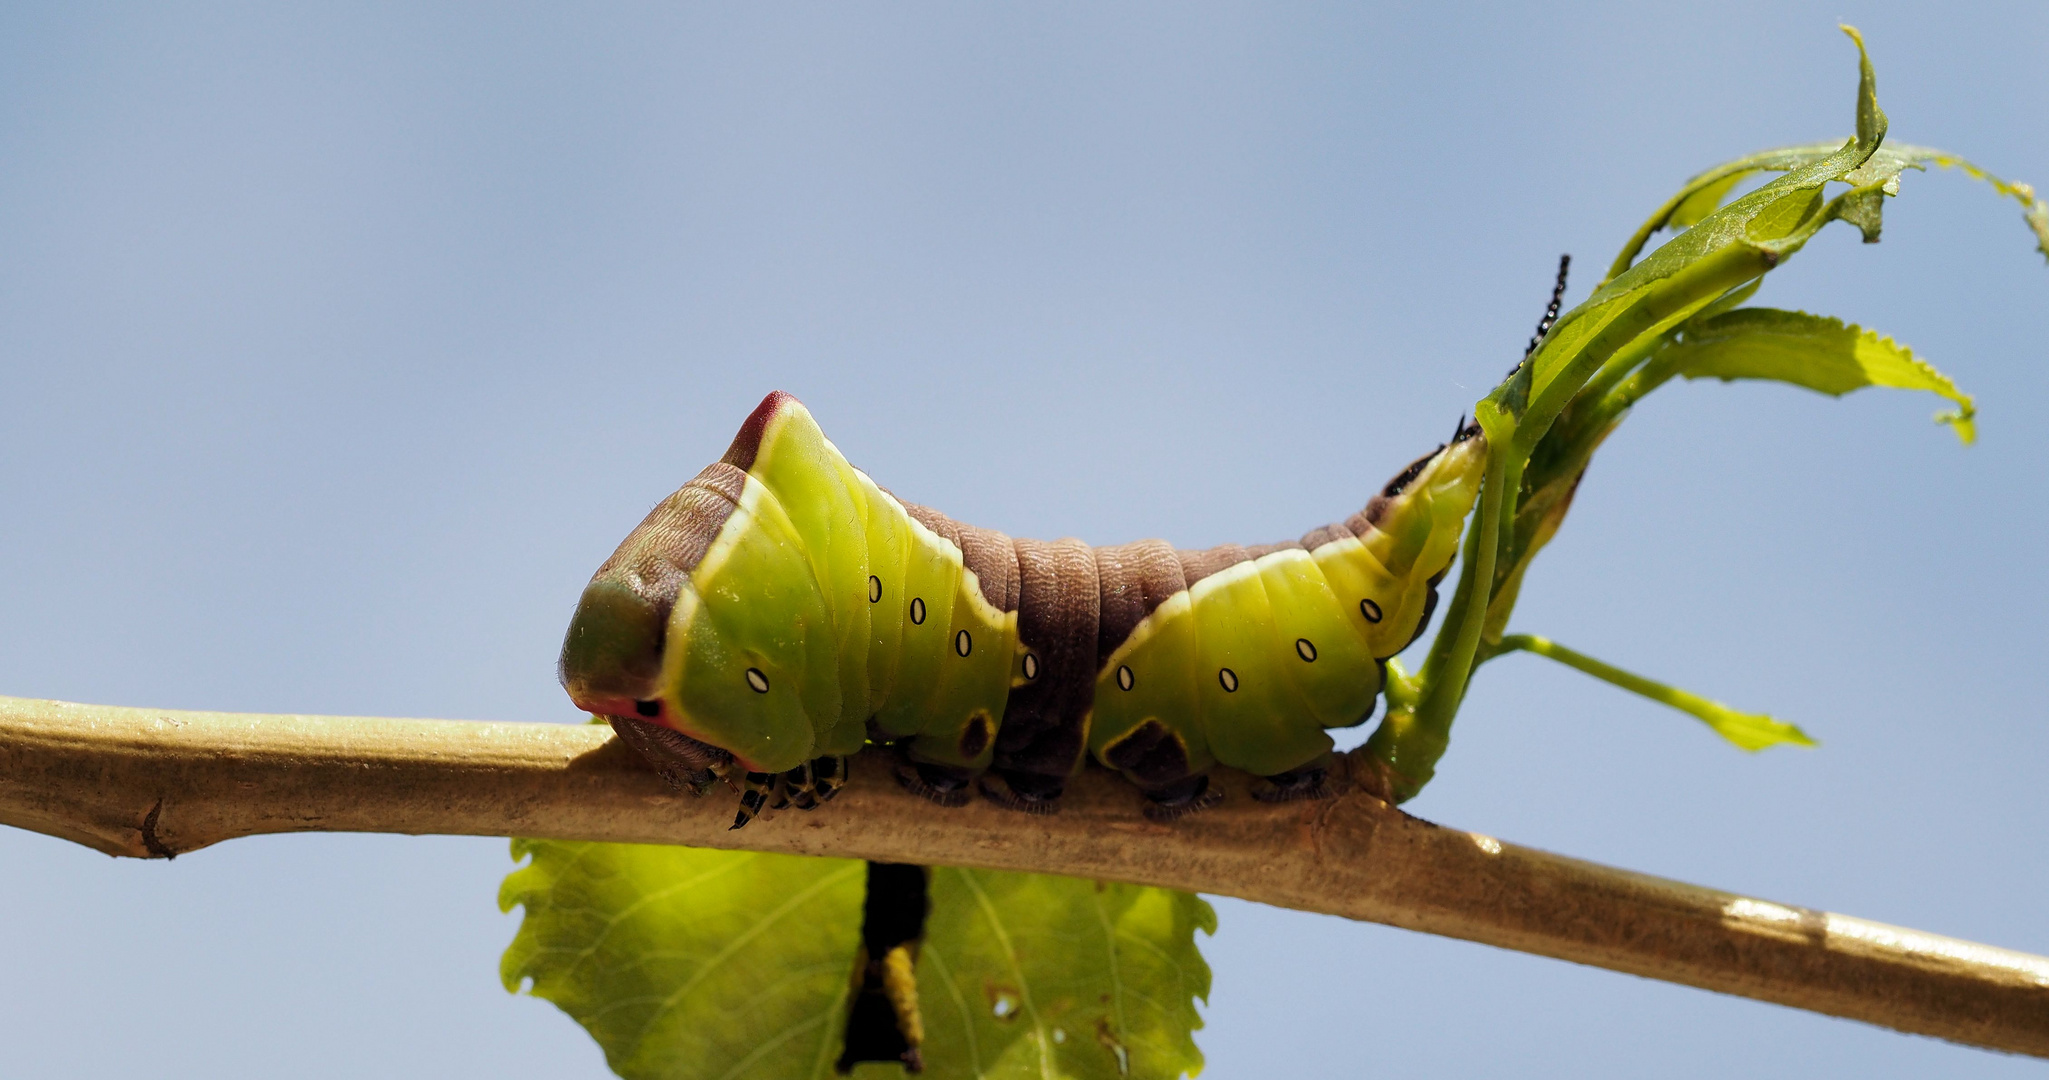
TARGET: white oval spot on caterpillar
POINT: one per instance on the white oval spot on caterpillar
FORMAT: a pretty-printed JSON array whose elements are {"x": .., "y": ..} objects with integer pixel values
[
  {"x": 757, "y": 680},
  {"x": 918, "y": 610},
  {"x": 1371, "y": 610},
  {"x": 1124, "y": 679},
  {"x": 1031, "y": 666},
  {"x": 1229, "y": 678},
  {"x": 963, "y": 644},
  {"x": 1305, "y": 649},
  {"x": 874, "y": 589}
]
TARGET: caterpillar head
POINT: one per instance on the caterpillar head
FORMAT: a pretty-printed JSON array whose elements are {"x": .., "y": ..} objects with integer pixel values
[
  {"x": 613, "y": 655},
  {"x": 707, "y": 623}
]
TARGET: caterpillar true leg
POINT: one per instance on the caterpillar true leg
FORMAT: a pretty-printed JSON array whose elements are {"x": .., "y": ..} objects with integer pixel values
[
  {"x": 754, "y": 793},
  {"x": 810, "y": 785},
  {"x": 797, "y": 788},
  {"x": 828, "y": 774}
]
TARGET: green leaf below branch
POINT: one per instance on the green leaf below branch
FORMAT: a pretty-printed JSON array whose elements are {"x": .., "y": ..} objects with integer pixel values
[
  {"x": 1032, "y": 975},
  {"x": 685, "y": 963}
]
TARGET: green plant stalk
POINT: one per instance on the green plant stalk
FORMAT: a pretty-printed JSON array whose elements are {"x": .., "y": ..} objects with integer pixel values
[
  {"x": 1402, "y": 690},
  {"x": 1406, "y": 746},
  {"x": 1608, "y": 673}
]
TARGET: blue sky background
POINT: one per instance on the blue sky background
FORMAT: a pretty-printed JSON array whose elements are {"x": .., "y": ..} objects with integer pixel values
[{"x": 339, "y": 345}]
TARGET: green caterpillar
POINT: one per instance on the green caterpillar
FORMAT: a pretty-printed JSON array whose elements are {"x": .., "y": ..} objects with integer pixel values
[{"x": 781, "y": 610}]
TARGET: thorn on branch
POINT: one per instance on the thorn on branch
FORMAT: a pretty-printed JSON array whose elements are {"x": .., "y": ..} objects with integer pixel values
[{"x": 155, "y": 847}]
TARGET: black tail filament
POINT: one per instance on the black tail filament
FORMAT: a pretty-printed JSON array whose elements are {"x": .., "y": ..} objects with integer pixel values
[
  {"x": 884, "y": 1023},
  {"x": 1550, "y": 313}
]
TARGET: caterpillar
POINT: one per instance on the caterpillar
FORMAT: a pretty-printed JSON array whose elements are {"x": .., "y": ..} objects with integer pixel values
[{"x": 781, "y": 610}]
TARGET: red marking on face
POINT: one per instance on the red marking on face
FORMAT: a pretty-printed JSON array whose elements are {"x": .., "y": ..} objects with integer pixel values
[
  {"x": 609, "y": 706},
  {"x": 629, "y": 708}
]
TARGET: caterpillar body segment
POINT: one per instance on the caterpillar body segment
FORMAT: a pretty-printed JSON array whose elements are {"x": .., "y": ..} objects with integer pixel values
[
  {"x": 781, "y": 610},
  {"x": 796, "y": 468},
  {"x": 754, "y": 642},
  {"x": 1252, "y": 653},
  {"x": 967, "y": 641}
]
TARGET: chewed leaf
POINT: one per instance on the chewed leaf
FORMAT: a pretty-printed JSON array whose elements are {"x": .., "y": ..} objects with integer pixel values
[
  {"x": 1642, "y": 301},
  {"x": 684, "y": 963},
  {"x": 1823, "y": 354},
  {"x": 1659, "y": 313},
  {"x": 1890, "y": 161},
  {"x": 1706, "y": 192},
  {"x": 1032, "y": 975}
]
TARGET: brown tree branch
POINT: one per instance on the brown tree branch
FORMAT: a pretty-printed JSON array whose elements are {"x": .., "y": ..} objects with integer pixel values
[{"x": 153, "y": 782}]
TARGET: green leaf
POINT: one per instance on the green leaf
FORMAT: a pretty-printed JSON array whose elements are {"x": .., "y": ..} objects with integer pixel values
[
  {"x": 1822, "y": 354},
  {"x": 1871, "y": 121},
  {"x": 1544, "y": 422},
  {"x": 1750, "y": 731},
  {"x": 685, "y": 963},
  {"x": 1724, "y": 251},
  {"x": 1705, "y": 192},
  {"x": 1876, "y": 178},
  {"x": 2034, "y": 211},
  {"x": 1031, "y": 975}
]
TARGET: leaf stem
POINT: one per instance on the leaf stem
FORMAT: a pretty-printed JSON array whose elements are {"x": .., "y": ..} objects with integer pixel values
[{"x": 1751, "y": 731}]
